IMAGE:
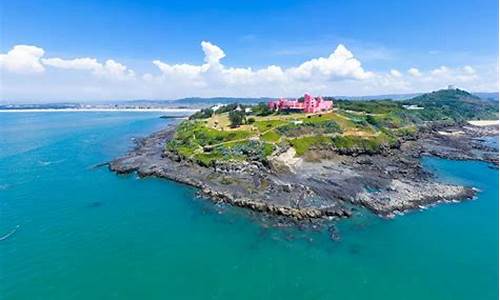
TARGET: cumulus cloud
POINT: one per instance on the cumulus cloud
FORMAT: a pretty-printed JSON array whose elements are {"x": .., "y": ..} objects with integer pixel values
[
  {"x": 72, "y": 64},
  {"x": 339, "y": 65},
  {"x": 469, "y": 70},
  {"x": 414, "y": 72},
  {"x": 109, "y": 69},
  {"x": 23, "y": 59},
  {"x": 396, "y": 73},
  {"x": 441, "y": 71},
  {"x": 338, "y": 73},
  {"x": 213, "y": 54}
]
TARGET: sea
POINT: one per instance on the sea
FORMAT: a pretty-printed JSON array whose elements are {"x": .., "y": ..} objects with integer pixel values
[{"x": 71, "y": 229}]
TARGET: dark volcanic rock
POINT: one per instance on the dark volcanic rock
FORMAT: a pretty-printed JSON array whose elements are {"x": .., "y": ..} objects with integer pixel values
[{"x": 386, "y": 183}]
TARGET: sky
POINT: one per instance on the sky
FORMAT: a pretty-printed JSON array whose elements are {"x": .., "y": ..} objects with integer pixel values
[{"x": 117, "y": 50}]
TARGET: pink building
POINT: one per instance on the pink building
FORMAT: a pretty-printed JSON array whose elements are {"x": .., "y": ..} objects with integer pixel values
[{"x": 310, "y": 105}]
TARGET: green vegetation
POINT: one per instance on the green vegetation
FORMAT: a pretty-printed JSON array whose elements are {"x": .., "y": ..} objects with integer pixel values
[
  {"x": 252, "y": 133},
  {"x": 369, "y": 106},
  {"x": 309, "y": 128},
  {"x": 453, "y": 105},
  {"x": 303, "y": 144},
  {"x": 237, "y": 118},
  {"x": 269, "y": 124},
  {"x": 202, "y": 114},
  {"x": 271, "y": 136},
  {"x": 363, "y": 145},
  {"x": 344, "y": 144},
  {"x": 262, "y": 110}
]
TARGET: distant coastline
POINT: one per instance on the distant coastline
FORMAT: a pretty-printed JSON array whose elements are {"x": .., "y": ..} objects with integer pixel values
[{"x": 21, "y": 110}]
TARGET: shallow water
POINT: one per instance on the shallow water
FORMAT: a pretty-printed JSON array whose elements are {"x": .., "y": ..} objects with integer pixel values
[{"x": 86, "y": 233}]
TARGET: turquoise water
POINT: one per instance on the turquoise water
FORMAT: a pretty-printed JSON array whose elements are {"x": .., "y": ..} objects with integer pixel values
[{"x": 86, "y": 233}]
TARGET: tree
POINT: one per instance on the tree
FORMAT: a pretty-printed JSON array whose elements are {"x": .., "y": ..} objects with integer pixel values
[
  {"x": 236, "y": 118},
  {"x": 202, "y": 114},
  {"x": 262, "y": 109}
]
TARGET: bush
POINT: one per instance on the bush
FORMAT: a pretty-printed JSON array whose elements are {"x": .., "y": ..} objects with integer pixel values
[{"x": 251, "y": 120}]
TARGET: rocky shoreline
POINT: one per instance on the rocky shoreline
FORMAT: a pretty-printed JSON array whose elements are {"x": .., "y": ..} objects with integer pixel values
[{"x": 330, "y": 185}]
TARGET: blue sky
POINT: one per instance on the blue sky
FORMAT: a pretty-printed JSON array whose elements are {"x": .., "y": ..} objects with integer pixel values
[{"x": 446, "y": 41}]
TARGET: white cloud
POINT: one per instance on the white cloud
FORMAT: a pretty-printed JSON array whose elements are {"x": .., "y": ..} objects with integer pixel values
[
  {"x": 72, "y": 64},
  {"x": 213, "y": 54},
  {"x": 23, "y": 59},
  {"x": 469, "y": 70},
  {"x": 180, "y": 71},
  {"x": 110, "y": 69},
  {"x": 339, "y": 73},
  {"x": 414, "y": 72},
  {"x": 115, "y": 70},
  {"x": 441, "y": 71},
  {"x": 340, "y": 64},
  {"x": 396, "y": 73}
]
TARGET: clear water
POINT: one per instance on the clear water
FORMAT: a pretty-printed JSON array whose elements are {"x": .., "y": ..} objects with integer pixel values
[{"x": 86, "y": 233}]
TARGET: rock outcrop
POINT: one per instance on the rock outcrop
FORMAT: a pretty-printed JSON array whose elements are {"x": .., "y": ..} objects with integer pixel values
[{"x": 385, "y": 183}]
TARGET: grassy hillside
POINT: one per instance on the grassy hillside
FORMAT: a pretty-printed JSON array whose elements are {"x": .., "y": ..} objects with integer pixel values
[
  {"x": 251, "y": 132},
  {"x": 457, "y": 105}
]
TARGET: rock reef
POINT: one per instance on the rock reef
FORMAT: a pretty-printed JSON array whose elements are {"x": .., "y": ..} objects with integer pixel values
[{"x": 327, "y": 185}]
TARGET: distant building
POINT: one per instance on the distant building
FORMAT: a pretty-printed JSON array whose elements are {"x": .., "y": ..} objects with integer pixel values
[
  {"x": 451, "y": 87},
  {"x": 309, "y": 105}
]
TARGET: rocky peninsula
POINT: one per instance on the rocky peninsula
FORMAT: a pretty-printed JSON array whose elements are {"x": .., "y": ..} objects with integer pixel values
[{"x": 312, "y": 171}]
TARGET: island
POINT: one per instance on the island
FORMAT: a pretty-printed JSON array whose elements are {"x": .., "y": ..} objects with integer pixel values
[{"x": 314, "y": 158}]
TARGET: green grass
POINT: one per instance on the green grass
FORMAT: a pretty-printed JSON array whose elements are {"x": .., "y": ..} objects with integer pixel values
[
  {"x": 190, "y": 136},
  {"x": 409, "y": 131},
  {"x": 207, "y": 159},
  {"x": 263, "y": 125},
  {"x": 344, "y": 143},
  {"x": 303, "y": 144},
  {"x": 357, "y": 126},
  {"x": 271, "y": 136},
  {"x": 268, "y": 149},
  {"x": 209, "y": 136}
]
